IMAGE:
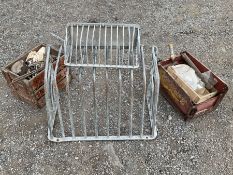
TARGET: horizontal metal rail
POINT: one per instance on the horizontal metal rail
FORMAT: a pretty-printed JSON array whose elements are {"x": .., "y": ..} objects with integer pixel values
[{"x": 94, "y": 138}]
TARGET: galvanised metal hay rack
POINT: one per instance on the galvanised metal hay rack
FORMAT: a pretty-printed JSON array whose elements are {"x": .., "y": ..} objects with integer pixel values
[{"x": 111, "y": 94}]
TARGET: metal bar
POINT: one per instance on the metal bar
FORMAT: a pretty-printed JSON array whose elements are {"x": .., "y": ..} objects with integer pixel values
[
  {"x": 57, "y": 37},
  {"x": 119, "y": 100},
  {"x": 104, "y": 24},
  {"x": 106, "y": 82},
  {"x": 102, "y": 66},
  {"x": 71, "y": 45},
  {"x": 76, "y": 47},
  {"x": 131, "y": 102},
  {"x": 129, "y": 47},
  {"x": 58, "y": 59},
  {"x": 49, "y": 104},
  {"x": 86, "y": 42},
  {"x": 151, "y": 98},
  {"x": 117, "y": 50},
  {"x": 132, "y": 62},
  {"x": 66, "y": 45},
  {"x": 94, "y": 51},
  {"x": 94, "y": 96},
  {"x": 151, "y": 104},
  {"x": 111, "y": 44},
  {"x": 81, "y": 54},
  {"x": 93, "y": 36},
  {"x": 99, "y": 43},
  {"x": 144, "y": 90},
  {"x": 81, "y": 69},
  {"x": 138, "y": 47},
  {"x": 69, "y": 103},
  {"x": 51, "y": 88},
  {"x": 100, "y": 138},
  {"x": 157, "y": 81},
  {"x": 107, "y": 107},
  {"x": 55, "y": 94},
  {"x": 47, "y": 92},
  {"x": 123, "y": 44},
  {"x": 53, "y": 112},
  {"x": 137, "y": 54},
  {"x": 58, "y": 95},
  {"x": 105, "y": 45},
  {"x": 150, "y": 93}
]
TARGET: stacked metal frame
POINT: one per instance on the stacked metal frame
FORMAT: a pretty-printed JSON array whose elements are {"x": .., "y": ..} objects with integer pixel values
[{"x": 111, "y": 94}]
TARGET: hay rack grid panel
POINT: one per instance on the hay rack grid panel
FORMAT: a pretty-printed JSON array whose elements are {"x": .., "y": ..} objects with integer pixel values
[{"x": 111, "y": 91}]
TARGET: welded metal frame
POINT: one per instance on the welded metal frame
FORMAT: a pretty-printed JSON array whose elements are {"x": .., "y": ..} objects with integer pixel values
[
  {"x": 149, "y": 100},
  {"x": 54, "y": 110}
]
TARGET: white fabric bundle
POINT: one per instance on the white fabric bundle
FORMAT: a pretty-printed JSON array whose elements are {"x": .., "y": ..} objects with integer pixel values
[{"x": 188, "y": 75}]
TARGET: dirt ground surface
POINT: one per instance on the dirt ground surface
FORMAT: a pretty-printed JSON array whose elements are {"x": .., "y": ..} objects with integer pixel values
[{"x": 201, "y": 146}]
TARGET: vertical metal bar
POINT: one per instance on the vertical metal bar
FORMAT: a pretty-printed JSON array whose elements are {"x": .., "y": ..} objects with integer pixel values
[
  {"x": 71, "y": 47},
  {"x": 81, "y": 53},
  {"x": 136, "y": 55},
  {"x": 117, "y": 50},
  {"x": 51, "y": 79},
  {"x": 51, "y": 85},
  {"x": 94, "y": 51},
  {"x": 47, "y": 92},
  {"x": 157, "y": 82},
  {"x": 150, "y": 94},
  {"x": 129, "y": 46},
  {"x": 119, "y": 98},
  {"x": 93, "y": 36},
  {"x": 138, "y": 46},
  {"x": 111, "y": 44},
  {"x": 131, "y": 102},
  {"x": 120, "y": 84},
  {"x": 106, "y": 82},
  {"x": 94, "y": 96},
  {"x": 151, "y": 102},
  {"x": 81, "y": 102},
  {"x": 57, "y": 94},
  {"x": 105, "y": 44},
  {"x": 123, "y": 44},
  {"x": 54, "y": 94},
  {"x": 76, "y": 46},
  {"x": 144, "y": 90},
  {"x": 66, "y": 45},
  {"x": 69, "y": 103},
  {"x": 132, "y": 62},
  {"x": 99, "y": 43},
  {"x": 88, "y": 28}
]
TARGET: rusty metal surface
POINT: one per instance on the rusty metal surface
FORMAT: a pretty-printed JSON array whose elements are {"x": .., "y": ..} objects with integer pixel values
[
  {"x": 179, "y": 98},
  {"x": 37, "y": 81},
  {"x": 32, "y": 91}
]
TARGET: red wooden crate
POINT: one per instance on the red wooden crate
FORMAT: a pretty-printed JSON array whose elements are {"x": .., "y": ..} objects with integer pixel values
[
  {"x": 32, "y": 91},
  {"x": 178, "y": 98}
]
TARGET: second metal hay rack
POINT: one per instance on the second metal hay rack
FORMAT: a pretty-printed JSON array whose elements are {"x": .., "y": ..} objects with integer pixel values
[{"x": 113, "y": 95}]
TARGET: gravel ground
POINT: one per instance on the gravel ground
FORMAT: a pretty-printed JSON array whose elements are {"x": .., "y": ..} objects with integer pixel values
[{"x": 200, "y": 146}]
